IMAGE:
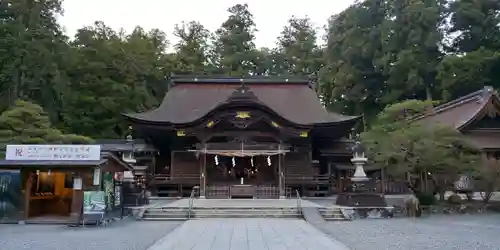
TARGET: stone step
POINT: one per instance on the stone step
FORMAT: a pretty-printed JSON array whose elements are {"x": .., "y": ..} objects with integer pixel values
[
  {"x": 164, "y": 219},
  {"x": 210, "y": 213},
  {"x": 227, "y": 212},
  {"x": 241, "y": 215},
  {"x": 331, "y": 213}
]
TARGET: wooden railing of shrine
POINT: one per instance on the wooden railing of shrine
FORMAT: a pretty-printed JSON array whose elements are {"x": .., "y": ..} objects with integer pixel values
[
  {"x": 306, "y": 179},
  {"x": 185, "y": 170}
]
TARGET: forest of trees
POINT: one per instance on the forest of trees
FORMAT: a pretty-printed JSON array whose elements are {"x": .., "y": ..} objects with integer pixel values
[{"x": 376, "y": 53}]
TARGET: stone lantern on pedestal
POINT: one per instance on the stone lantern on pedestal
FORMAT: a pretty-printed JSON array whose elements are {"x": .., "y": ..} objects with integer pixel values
[
  {"x": 359, "y": 196},
  {"x": 359, "y": 160}
]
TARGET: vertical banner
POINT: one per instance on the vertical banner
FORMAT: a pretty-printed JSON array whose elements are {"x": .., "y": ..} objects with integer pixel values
[
  {"x": 96, "y": 180},
  {"x": 118, "y": 195},
  {"x": 108, "y": 187},
  {"x": 10, "y": 195}
]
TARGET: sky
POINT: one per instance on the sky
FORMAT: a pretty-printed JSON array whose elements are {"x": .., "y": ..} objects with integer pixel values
[{"x": 270, "y": 15}]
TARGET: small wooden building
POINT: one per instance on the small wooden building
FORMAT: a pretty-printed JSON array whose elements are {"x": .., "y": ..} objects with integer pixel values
[
  {"x": 254, "y": 137},
  {"x": 46, "y": 183}
]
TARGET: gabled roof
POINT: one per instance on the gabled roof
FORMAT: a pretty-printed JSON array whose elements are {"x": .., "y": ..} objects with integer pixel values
[
  {"x": 462, "y": 111},
  {"x": 190, "y": 100}
]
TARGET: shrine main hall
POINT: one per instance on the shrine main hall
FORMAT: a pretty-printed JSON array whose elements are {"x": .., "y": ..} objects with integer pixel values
[{"x": 255, "y": 137}]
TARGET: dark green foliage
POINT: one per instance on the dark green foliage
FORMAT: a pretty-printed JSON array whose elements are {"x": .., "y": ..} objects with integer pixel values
[
  {"x": 426, "y": 199},
  {"x": 377, "y": 53},
  {"x": 28, "y": 123}
]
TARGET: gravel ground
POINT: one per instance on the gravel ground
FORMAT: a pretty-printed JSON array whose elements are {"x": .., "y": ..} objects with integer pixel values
[
  {"x": 468, "y": 232},
  {"x": 123, "y": 235}
]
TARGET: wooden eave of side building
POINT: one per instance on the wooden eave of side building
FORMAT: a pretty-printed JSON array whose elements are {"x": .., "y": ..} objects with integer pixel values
[
  {"x": 122, "y": 145},
  {"x": 194, "y": 102},
  {"x": 462, "y": 113}
]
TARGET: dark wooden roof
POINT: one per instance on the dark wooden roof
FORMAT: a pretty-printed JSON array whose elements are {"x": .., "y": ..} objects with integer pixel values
[
  {"x": 462, "y": 111},
  {"x": 190, "y": 100},
  {"x": 121, "y": 145}
]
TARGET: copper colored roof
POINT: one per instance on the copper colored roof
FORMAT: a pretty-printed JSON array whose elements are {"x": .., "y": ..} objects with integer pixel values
[
  {"x": 462, "y": 111},
  {"x": 189, "y": 101}
]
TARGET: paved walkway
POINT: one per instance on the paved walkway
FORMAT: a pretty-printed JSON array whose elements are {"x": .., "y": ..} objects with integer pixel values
[{"x": 247, "y": 234}]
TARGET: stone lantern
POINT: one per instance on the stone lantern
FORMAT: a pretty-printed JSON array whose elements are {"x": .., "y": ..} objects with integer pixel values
[{"x": 359, "y": 160}]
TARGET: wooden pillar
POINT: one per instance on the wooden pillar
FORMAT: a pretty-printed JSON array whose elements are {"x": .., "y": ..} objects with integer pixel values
[
  {"x": 77, "y": 201},
  {"x": 154, "y": 191},
  {"x": 203, "y": 170},
  {"x": 155, "y": 154},
  {"x": 172, "y": 155},
  {"x": 382, "y": 179},
  {"x": 281, "y": 179},
  {"x": 27, "y": 194},
  {"x": 76, "y": 205}
]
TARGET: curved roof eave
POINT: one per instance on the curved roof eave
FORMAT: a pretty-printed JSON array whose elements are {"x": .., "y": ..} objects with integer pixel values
[{"x": 136, "y": 118}]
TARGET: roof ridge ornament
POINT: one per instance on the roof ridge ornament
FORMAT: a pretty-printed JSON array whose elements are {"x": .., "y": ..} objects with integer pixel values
[{"x": 242, "y": 93}]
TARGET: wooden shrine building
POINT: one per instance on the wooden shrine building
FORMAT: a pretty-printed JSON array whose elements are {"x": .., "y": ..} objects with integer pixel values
[
  {"x": 252, "y": 137},
  {"x": 476, "y": 116}
]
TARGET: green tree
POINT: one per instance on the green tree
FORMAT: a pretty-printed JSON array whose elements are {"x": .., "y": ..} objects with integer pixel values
[
  {"x": 32, "y": 49},
  {"x": 28, "y": 123},
  {"x": 298, "y": 44},
  {"x": 353, "y": 80},
  {"x": 474, "y": 43},
  {"x": 487, "y": 174},
  {"x": 192, "y": 48},
  {"x": 459, "y": 75},
  {"x": 411, "y": 148},
  {"x": 412, "y": 39},
  {"x": 474, "y": 25},
  {"x": 127, "y": 74},
  {"x": 234, "y": 51}
]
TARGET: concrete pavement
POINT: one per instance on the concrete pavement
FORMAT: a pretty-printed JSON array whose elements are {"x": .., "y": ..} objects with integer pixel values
[{"x": 247, "y": 234}]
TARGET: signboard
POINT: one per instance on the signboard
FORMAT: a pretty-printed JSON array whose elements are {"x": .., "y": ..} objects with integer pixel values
[
  {"x": 97, "y": 177},
  {"x": 77, "y": 183},
  {"x": 118, "y": 195},
  {"x": 10, "y": 195},
  {"x": 93, "y": 202},
  {"x": 53, "y": 152}
]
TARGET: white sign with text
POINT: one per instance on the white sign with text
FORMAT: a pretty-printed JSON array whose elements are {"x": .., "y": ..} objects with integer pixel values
[{"x": 53, "y": 152}]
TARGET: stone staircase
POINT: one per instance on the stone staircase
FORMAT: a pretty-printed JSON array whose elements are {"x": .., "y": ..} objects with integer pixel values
[
  {"x": 172, "y": 213},
  {"x": 164, "y": 214},
  {"x": 259, "y": 212},
  {"x": 331, "y": 213}
]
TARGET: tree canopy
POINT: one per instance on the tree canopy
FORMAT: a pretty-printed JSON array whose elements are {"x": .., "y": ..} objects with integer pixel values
[
  {"x": 28, "y": 123},
  {"x": 376, "y": 53}
]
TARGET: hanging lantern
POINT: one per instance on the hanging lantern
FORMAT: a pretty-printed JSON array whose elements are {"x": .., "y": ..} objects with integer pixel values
[
  {"x": 251, "y": 161},
  {"x": 216, "y": 159},
  {"x": 234, "y": 162},
  {"x": 269, "y": 161}
]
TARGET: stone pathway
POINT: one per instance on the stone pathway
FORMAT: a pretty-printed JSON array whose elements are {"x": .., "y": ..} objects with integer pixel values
[{"x": 247, "y": 234}]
